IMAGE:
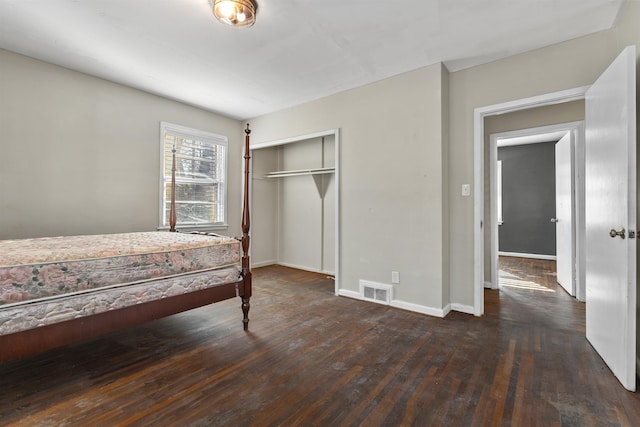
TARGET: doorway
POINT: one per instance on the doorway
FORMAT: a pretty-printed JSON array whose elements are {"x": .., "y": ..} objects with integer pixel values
[
  {"x": 480, "y": 148},
  {"x": 532, "y": 295},
  {"x": 307, "y": 169},
  {"x": 534, "y": 229}
]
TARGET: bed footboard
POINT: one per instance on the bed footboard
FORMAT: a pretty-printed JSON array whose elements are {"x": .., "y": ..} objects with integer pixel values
[{"x": 32, "y": 341}]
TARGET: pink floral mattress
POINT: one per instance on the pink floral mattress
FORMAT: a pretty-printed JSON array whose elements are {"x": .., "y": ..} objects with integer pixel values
[{"x": 48, "y": 280}]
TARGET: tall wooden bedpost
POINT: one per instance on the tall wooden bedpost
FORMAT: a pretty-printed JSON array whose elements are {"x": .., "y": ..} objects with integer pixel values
[
  {"x": 246, "y": 225},
  {"x": 172, "y": 212}
]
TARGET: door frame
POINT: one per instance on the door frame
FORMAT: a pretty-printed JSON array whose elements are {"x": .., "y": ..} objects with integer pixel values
[
  {"x": 527, "y": 135},
  {"x": 479, "y": 114}
]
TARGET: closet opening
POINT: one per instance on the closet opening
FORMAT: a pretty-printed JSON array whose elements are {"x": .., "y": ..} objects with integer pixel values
[{"x": 295, "y": 203}]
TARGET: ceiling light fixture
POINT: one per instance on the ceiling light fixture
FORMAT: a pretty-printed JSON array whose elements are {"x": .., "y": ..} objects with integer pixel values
[{"x": 237, "y": 13}]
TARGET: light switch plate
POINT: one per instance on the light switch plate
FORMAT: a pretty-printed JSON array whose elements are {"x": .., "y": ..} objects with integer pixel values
[{"x": 466, "y": 190}]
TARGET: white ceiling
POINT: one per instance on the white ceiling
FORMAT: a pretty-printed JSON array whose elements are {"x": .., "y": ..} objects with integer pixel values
[{"x": 297, "y": 51}]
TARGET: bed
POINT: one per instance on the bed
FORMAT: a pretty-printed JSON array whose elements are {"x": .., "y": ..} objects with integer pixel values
[{"x": 60, "y": 290}]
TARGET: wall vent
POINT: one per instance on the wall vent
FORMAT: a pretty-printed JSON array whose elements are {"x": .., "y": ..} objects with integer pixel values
[{"x": 376, "y": 292}]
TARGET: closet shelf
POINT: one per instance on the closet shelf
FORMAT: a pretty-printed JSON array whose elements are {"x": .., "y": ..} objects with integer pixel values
[{"x": 317, "y": 171}]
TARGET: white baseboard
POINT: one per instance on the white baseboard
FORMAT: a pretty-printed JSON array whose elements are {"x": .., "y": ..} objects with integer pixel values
[
  {"x": 488, "y": 285},
  {"x": 468, "y": 309},
  {"x": 349, "y": 294},
  {"x": 446, "y": 310},
  {"x": 436, "y": 312},
  {"x": 262, "y": 263},
  {"x": 305, "y": 268},
  {"x": 522, "y": 255}
]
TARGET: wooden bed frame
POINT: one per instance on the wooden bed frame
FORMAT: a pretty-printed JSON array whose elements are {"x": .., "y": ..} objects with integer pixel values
[{"x": 24, "y": 343}]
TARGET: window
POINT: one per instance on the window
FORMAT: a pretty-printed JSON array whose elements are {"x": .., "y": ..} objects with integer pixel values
[{"x": 201, "y": 187}]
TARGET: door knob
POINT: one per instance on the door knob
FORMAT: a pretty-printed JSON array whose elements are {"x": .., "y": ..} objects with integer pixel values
[
  {"x": 613, "y": 233},
  {"x": 554, "y": 219}
]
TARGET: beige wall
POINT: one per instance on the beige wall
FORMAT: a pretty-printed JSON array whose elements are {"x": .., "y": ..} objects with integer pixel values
[
  {"x": 80, "y": 155},
  {"x": 566, "y": 65},
  {"x": 264, "y": 205},
  {"x": 391, "y": 216}
]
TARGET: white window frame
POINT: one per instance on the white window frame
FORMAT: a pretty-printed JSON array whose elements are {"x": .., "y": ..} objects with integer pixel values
[
  {"x": 190, "y": 133},
  {"x": 499, "y": 191}
]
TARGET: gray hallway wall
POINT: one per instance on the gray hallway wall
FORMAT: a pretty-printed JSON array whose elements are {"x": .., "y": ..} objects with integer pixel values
[{"x": 528, "y": 199}]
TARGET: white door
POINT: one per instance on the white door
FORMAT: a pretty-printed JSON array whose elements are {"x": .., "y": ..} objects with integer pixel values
[
  {"x": 610, "y": 207},
  {"x": 564, "y": 214}
]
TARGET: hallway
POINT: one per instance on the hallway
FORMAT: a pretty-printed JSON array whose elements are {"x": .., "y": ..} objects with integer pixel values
[{"x": 529, "y": 293}]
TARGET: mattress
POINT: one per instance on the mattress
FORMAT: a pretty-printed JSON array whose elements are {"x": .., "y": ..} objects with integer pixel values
[{"x": 48, "y": 280}]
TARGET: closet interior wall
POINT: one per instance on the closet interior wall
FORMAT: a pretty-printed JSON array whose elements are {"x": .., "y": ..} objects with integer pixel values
[{"x": 264, "y": 208}]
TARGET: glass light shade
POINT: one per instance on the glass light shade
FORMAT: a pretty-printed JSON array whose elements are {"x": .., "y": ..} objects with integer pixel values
[{"x": 237, "y": 13}]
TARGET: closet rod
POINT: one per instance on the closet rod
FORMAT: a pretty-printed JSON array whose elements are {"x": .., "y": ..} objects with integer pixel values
[{"x": 317, "y": 171}]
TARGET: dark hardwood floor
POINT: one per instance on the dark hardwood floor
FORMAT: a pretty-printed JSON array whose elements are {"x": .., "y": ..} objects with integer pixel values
[{"x": 311, "y": 358}]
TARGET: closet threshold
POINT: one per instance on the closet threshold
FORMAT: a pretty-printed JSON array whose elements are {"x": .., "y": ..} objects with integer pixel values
[{"x": 316, "y": 171}]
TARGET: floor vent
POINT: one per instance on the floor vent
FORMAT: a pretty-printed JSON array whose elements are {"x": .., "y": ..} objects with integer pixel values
[{"x": 376, "y": 292}]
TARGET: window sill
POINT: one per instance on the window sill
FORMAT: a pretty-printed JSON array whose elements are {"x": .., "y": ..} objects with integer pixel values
[{"x": 204, "y": 227}]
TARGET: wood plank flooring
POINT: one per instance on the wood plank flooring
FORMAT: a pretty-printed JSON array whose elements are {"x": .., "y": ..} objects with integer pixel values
[{"x": 311, "y": 358}]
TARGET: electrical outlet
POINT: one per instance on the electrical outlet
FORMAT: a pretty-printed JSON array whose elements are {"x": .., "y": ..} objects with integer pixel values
[{"x": 395, "y": 277}]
